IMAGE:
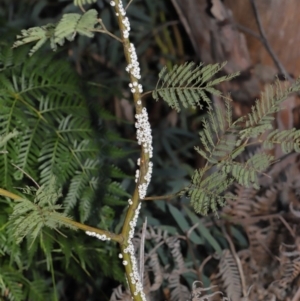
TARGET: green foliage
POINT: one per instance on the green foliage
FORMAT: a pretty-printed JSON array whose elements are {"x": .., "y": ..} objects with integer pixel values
[
  {"x": 66, "y": 28},
  {"x": 83, "y": 2},
  {"x": 222, "y": 139},
  {"x": 43, "y": 102},
  {"x": 261, "y": 116},
  {"x": 5, "y": 138},
  {"x": 28, "y": 218},
  {"x": 45, "y": 106},
  {"x": 11, "y": 284},
  {"x": 47, "y": 137},
  {"x": 188, "y": 84},
  {"x": 288, "y": 139}
]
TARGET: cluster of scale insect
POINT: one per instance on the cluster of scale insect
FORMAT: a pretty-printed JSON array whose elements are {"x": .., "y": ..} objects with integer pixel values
[
  {"x": 144, "y": 138},
  {"x": 99, "y": 236}
]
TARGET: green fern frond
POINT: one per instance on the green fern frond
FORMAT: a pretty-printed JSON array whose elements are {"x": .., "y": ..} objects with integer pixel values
[
  {"x": 38, "y": 290},
  {"x": 6, "y": 137},
  {"x": 28, "y": 218},
  {"x": 11, "y": 283},
  {"x": 85, "y": 204},
  {"x": 116, "y": 172},
  {"x": 66, "y": 28},
  {"x": 77, "y": 185},
  {"x": 116, "y": 189},
  {"x": 188, "y": 84},
  {"x": 43, "y": 103},
  {"x": 289, "y": 140}
]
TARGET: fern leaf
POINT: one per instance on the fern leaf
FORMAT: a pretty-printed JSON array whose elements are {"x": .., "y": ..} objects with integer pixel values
[
  {"x": 5, "y": 138},
  {"x": 70, "y": 24},
  {"x": 218, "y": 136},
  {"x": 28, "y": 218},
  {"x": 207, "y": 194},
  {"x": 179, "y": 292},
  {"x": 39, "y": 34},
  {"x": 67, "y": 28},
  {"x": 77, "y": 185},
  {"x": 11, "y": 283},
  {"x": 261, "y": 116},
  {"x": 38, "y": 290},
  {"x": 230, "y": 276},
  {"x": 288, "y": 139},
  {"x": 188, "y": 84}
]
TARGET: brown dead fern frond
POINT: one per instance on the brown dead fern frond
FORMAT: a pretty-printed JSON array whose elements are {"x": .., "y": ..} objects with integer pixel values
[
  {"x": 120, "y": 295},
  {"x": 199, "y": 293},
  {"x": 229, "y": 276}
]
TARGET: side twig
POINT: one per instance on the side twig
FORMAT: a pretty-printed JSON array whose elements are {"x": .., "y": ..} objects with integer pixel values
[{"x": 265, "y": 42}]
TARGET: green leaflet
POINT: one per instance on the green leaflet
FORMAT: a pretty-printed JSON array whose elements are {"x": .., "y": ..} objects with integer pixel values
[
  {"x": 187, "y": 84},
  {"x": 28, "y": 218},
  {"x": 67, "y": 28},
  {"x": 42, "y": 101},
  {"x": 288, "y": 139},
  {"x": 10, "y": 281},
  {"x": 222, "y": 139}
]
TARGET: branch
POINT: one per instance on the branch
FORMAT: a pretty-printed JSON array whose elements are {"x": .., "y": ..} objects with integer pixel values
[
  {"x": 265, "y": 42},
  {"x": 9, "y": 194},
  {"x": 161, "y": 197},
  {"x": 106, "y": 235},
  {"x": 100, "y": 234},
  {"x": 143, "y": 174}
]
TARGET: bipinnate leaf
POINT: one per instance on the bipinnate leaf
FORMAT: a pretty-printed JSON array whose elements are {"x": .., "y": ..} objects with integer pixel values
[
  {"x": 29, "y": 217},
  {"x": 187, "y": 85},
  {"x": 67, "y": 28}
]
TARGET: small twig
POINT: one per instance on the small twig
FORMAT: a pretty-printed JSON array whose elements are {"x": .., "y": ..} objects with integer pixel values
[
  {"x": 249, "y": 31},
  {"x": 265, "y": 42},
  {"x": 25, "y": 173},
  {"x": 185, "y": 23},
  {"x": 287, "y": 225},
  {"x": 160, "y": 197},
  {"x": 115, "y": 237},
  {"x": 146, "y": 93},
  {"x": 128, "y": 4},
  {"x": 165, "y": 24},
  {"x": 81, "y": 8},
  {"x": 204, "y": 262},
  {"x": 164, "y": 197},
  {"x": 191, "y": 249},
  {"x": 104, "y": 30}
]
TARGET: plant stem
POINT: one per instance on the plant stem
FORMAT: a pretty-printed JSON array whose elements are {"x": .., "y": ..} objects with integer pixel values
[
  {"x": 9, "y": 194},
  {"x": 143, "y": 175},
  {"x": 161, "y": 197},
  {"x": 115, "y": 237}
]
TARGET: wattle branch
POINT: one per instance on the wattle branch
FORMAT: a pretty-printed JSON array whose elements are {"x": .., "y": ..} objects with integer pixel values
[{"x": 144, "y": 172}]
